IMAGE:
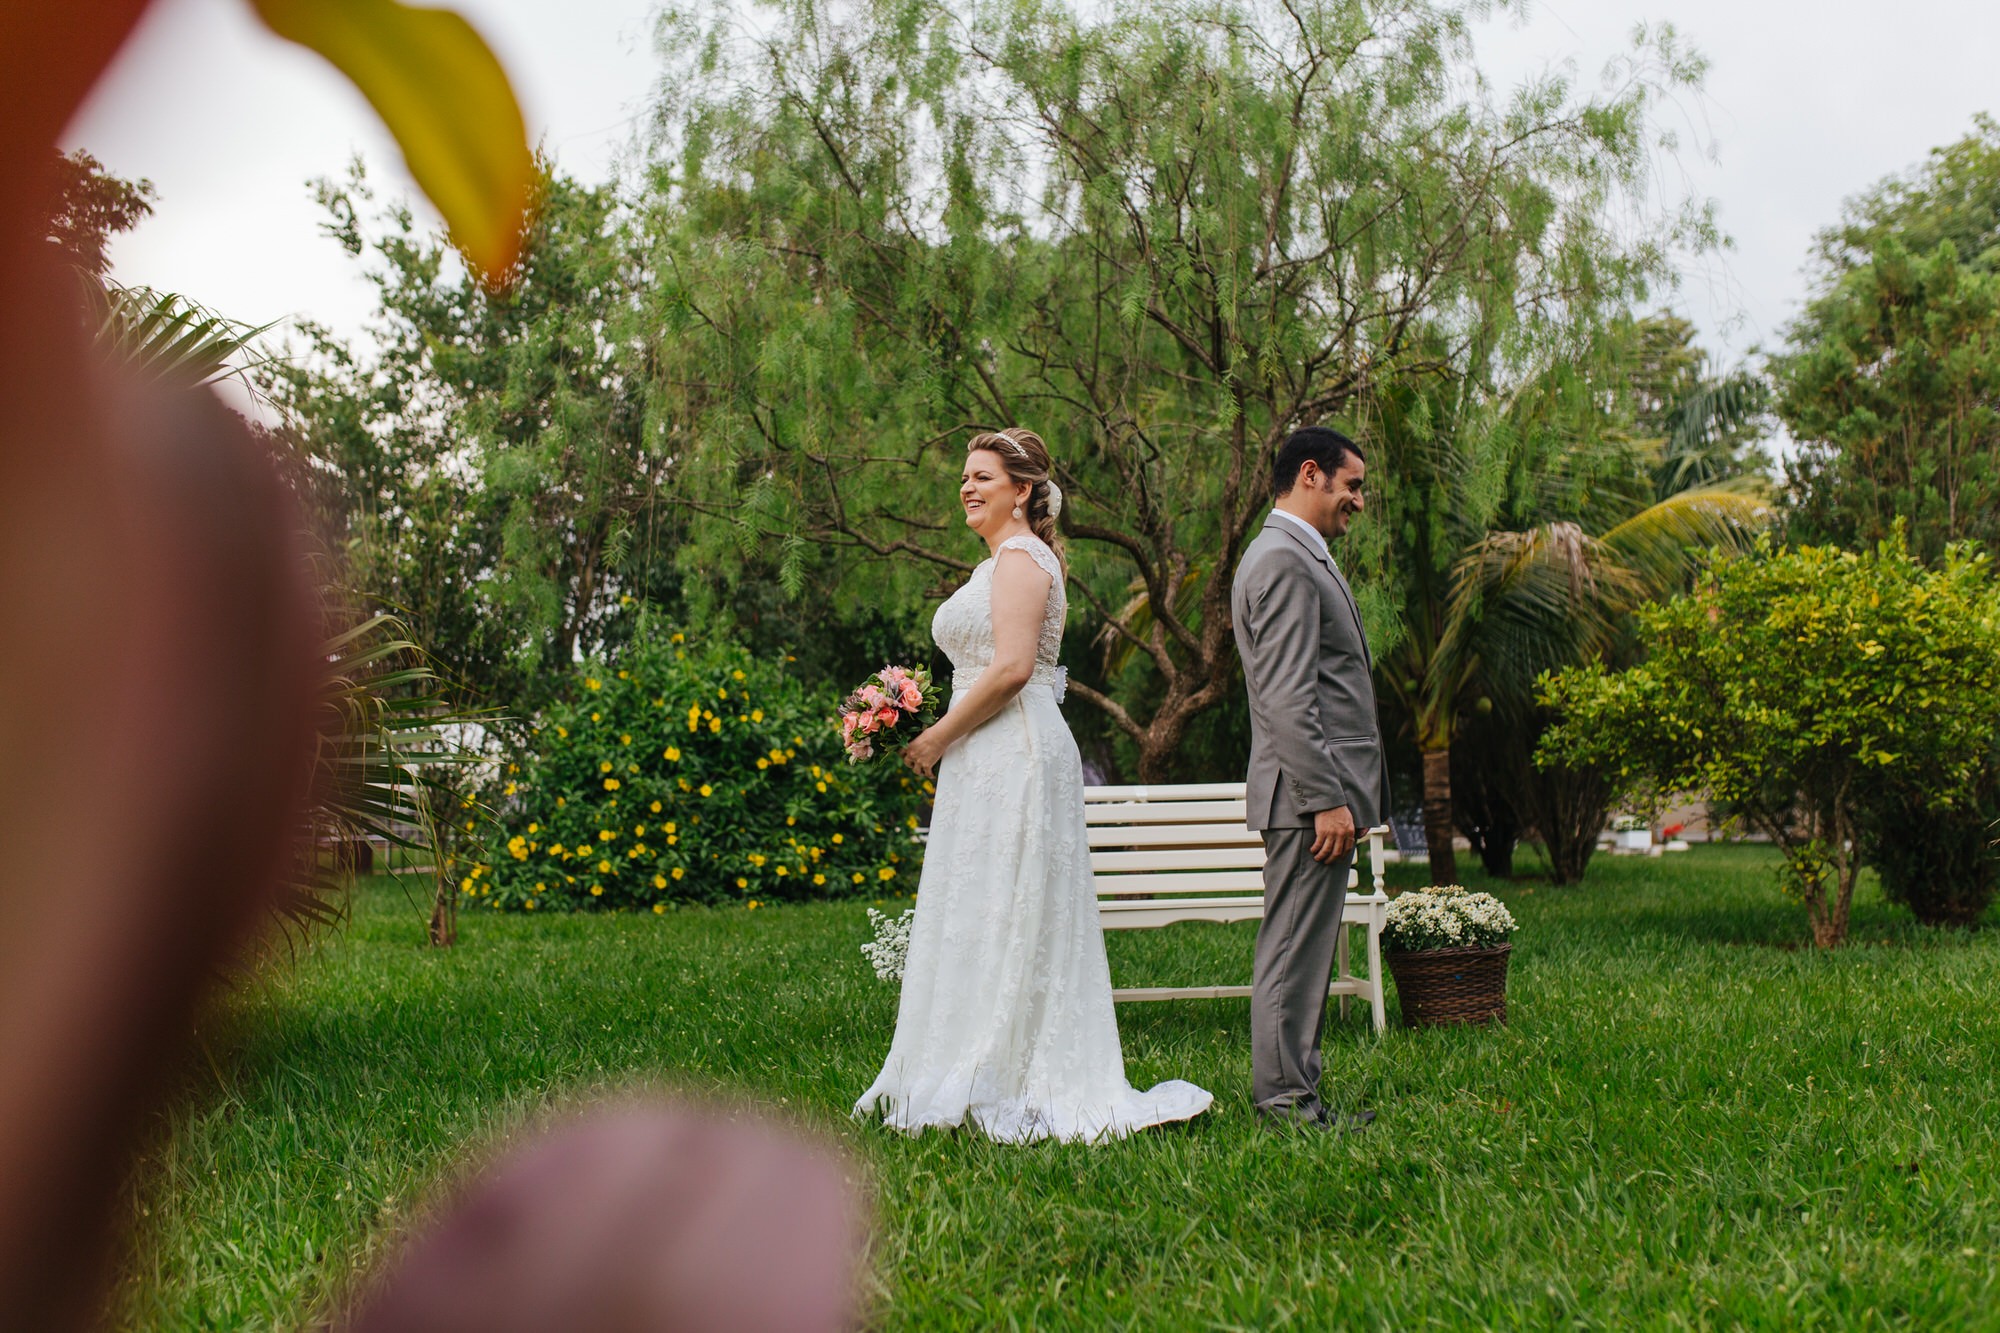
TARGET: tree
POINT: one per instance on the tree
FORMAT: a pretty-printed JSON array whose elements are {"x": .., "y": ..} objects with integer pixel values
[
  {"x": 1524, "y": 532},
  {"x": 1163, "y": 240},
  {"x": 493, "y": 471},
  {"x": 90, "y": 207},
  {"x": 1892, "y": 388},
  {"x": 1802, "y": 689},
  {"x": 1890, "y": 380}
]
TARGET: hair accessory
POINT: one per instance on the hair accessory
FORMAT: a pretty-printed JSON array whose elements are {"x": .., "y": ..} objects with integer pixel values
[{"x": 1055, "y": 498}]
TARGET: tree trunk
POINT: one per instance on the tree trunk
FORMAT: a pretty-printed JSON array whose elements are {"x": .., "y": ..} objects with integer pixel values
[
  {"x": 1438, "y": 828},
  {"x": 444, "y": 913}
]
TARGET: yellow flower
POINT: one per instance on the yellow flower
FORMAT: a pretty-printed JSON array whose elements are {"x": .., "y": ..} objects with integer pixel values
[
  {"x": 603, "y": 766},
  {"x": 859, "y": 877},
  {"x": 715, "y": 724},
  {"x": 763, "y": 762},
  {"x": 791, "y": 820},
  {"x": 659, "y": 881},
  {"x": 750, "y": 906},
  {"x": 707, "y": 790},
  {"x": 656, "y": 810},
  {"x": 555, "y": 849},
  {"x": 736, "y": 675},
  {"x": 531, "y": 904},
  {"x": 534, "y": 828},
  {"x": 672, "y": 753},
  {"x": 819, "y": 787},
  {"x": 659, "y": 909},
  {"x": 670, "y": 826},
  {"x": 678, "y": 872},
  {"x": 783, "y": 871},
  {"x": 722, "y": 694},
  {"x": 912, "y": 821},
  {"x": 742, "y": 883},
  {"x": 597, "y": 890},
  {"x": 592, "y": 683},
  {"x": 819, "y": 879},
  {"x": 839, "y": 838},
  {"x": 597, "y": 717},
  {"x": 625, "y": 675},
  {"x": 512, "y": 788},
  {"x": 611, "y": 784},
  {"x": 625, "y": 739},
  {"x": 638, "y": 830},
  {"x": 561, "y": 801},
  {"x": 603, "y": 867},
  {"x": 756, "y": 715},
  {"x": 757, "y": 858},
  {"x": 563, "y": 732},
  {"x": 624, "y": 599},
  {"x": 685, "y": 786},
  {"x": 541, "y": 888},
  {"x": 605, "y": 835},
  {"x": 679, "y": 638},
  {"x": 886, "y": 872},
  {"x": 671, "y": 840}
]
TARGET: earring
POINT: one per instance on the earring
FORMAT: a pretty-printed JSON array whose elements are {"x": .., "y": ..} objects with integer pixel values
[{"x": 1017, "y": 511}]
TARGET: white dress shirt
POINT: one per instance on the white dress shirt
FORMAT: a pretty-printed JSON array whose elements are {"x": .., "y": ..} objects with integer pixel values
[{"x": 1309, "y": 530}]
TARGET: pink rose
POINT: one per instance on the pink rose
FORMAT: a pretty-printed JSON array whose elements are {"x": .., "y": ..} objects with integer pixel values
[
  {"x": 872, "y": 697},
  {"x": 888, "y": 716},
  {"x": 913, "y": 697}
]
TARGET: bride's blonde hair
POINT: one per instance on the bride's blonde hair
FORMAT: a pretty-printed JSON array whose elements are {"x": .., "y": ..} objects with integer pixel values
[{"x": 1026, "y": 459}]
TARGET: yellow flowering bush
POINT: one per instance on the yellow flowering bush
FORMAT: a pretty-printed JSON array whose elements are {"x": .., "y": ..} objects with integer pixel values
[{"x": 693, "y": 772}]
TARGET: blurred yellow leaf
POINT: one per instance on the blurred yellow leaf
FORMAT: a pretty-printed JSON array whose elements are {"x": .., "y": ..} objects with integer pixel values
[{"x": 441, "y": 91}]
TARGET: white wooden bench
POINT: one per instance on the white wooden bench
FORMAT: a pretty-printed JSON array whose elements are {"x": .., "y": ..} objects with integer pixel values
[{"x": 1164, "y": 854}]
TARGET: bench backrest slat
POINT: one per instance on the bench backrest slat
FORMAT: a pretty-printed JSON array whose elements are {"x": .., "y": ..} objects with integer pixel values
[{"x": 1164, "y": 812}]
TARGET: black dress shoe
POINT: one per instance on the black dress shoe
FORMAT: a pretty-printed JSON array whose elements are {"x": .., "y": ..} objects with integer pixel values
[{"x": 1348, "y": 1122}]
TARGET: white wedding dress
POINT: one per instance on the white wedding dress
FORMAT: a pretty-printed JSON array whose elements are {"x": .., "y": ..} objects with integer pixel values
[{"x": 1006, "y": 1015}]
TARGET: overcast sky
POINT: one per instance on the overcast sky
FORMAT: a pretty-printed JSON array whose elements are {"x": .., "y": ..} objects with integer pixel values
[{"x": 1807, "y": 102}]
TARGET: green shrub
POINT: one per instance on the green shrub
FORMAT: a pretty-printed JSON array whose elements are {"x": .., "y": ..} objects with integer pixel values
[
  {"x": 1941, "y": 862},
  {"x": 686, "y": 772},
  {"x": 1804, "y": 690}
]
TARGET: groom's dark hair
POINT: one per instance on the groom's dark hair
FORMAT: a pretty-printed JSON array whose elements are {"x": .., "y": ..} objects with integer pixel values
[{"x": 1321, "y": 444}]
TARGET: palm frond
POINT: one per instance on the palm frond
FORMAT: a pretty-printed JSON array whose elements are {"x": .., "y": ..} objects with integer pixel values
[
  {"x": 165, "y": 336},
  {"x": 384, "y": 768},
  {"x": 1697, "y": 451},
  {"x": 1664, "y": 542},
  {"x": 1525, "y": 602}
]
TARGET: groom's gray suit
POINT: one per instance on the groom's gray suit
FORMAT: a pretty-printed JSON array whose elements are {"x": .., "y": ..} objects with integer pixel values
[{"x": 1314, "y": 745}]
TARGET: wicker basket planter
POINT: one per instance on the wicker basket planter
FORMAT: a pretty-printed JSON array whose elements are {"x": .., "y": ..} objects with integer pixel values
[{"x": 1439, "y": 986}]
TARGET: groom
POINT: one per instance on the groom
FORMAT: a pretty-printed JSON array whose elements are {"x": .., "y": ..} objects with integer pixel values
[{"x": 1316, "y": 769}]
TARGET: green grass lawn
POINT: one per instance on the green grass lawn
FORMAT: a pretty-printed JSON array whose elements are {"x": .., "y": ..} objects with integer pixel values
[{"x": 1691, "y": 1121}]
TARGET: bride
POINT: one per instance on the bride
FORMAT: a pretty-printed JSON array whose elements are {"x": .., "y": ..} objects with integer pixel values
[{"x": 1006, "y": 1013}]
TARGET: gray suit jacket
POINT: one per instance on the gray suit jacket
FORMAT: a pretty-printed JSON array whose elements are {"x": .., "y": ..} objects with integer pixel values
[{"x": 1314, "y": 740}]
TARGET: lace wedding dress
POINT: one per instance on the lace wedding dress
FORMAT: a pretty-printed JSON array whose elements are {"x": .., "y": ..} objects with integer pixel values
[{"x": 1006, "y": 1014}]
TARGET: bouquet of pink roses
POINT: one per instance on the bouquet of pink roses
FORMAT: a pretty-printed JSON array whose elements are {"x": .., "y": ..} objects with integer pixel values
[{"x": 890, "y": 708}]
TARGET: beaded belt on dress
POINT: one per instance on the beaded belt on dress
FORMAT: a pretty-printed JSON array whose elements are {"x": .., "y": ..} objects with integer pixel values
[{"x": 1055, "y": 677}]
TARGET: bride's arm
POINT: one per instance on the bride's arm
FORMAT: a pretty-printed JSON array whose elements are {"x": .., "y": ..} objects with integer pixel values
[{"x": 1020, "y": 598}]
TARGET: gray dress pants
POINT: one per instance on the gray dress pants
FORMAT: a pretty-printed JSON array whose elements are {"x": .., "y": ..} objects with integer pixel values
[{"x": 1296, "y": 944}]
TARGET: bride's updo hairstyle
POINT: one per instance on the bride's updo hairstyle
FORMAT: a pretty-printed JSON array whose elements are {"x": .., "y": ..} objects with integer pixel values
[{"x": 1026, "y": 459}]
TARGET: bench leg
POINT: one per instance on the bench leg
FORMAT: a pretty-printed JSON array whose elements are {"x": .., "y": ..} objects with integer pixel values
[
  {"x": 1340, "y": 968},
  {"x": 1375, "y": 980}
]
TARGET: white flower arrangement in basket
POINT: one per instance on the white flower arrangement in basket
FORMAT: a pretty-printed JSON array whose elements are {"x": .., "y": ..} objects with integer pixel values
[
  {"x": 891, "y": 945},
  {"x": 1446, "y": 917}
]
